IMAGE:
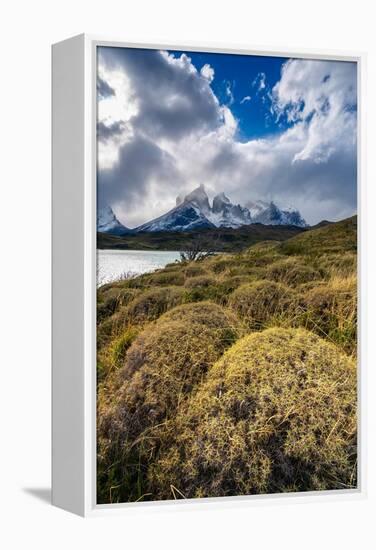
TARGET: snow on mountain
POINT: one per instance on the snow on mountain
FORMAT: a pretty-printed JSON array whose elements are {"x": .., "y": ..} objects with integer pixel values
[
  {"x": 226, "y": 214},
  {"x": 199, "y": 198},
  {"x": 184, "y": 217},
  {"x": 270, "y": 214},
  {"x": 107, "y": 222},
  {"x": 195, "y": 212}
]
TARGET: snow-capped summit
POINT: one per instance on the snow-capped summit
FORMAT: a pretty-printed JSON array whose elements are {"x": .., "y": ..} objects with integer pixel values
[
  {"x": 194, "y": 212},
  {"x": 226, "y": 214},
  {"x": 199, "y": 198},
  {"x": 268, "y": 213},
  {"x": 107, "y": 222},
  {"x": 219, "y": 202}
]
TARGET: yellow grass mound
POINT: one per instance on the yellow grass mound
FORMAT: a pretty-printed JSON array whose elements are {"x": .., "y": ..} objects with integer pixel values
[
  {"x": 277, "y": 413},
  {"x": 259, "y": 301},
  {"x": 292, "y": 272},
  {"x": 163, "y": 365}
]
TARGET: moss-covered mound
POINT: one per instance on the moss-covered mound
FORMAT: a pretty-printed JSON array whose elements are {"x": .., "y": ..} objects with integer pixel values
[
  {"x": 277, "y": 413},
  {"x": 258, "y": 302},
  {"x": 161, "y": 368}
]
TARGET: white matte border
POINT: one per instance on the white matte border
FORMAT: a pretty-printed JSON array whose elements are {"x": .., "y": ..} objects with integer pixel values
[{"x": 91, "y": 507}]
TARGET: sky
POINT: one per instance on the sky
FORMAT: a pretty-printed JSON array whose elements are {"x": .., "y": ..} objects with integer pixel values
[{"x": 254, "y": 127}]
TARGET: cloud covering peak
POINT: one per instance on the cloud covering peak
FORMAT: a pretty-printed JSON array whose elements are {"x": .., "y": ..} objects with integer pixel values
[{"x": 162, "y": 130}]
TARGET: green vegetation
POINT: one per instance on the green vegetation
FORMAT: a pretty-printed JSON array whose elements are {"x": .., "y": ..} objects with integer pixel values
[
  {"x": 221, "y": 239},
  {"x": 231, "y": 375}
]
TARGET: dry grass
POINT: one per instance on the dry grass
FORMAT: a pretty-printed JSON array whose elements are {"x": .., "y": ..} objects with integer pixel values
[
  {"x": 178, "y": 415},
  {"x": 257, "y": 302},
  {"x": 277, "y": 413},
  {"x": 292, "y": 272},
  {"x": 163, "y": 365}
]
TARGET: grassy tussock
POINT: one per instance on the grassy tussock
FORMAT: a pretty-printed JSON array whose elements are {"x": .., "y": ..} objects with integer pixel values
[
  {"x": 200, "y": 281},
  {"x": 163, "y": 365},
  {"x": 232, "y": 375},
  {"x": 276, "y": 414},
  {"x": 166, "y": 278},
  {"x": 292, "y": 272},
  {"x": 194, "y": 269},
  {"x": 257, "y": 302},
  {"x": 331, "y": 311}
]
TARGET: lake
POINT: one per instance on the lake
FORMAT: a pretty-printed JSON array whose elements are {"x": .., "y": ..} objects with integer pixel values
[{"x": 112, "y": 264}]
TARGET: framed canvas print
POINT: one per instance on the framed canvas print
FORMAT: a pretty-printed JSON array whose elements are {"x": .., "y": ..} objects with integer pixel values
[{"x": 206, "y": 275}]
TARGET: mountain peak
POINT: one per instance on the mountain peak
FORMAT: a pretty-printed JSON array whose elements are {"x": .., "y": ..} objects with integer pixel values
[
  {"x": 195, "y": 212},
  {"x": 199, "y": 198},
  {"x": 107, "y": 222}
]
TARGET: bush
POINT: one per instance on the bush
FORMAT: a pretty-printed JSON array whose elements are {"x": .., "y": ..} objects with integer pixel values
[
  {"x": 112, "y": 300},
  {"x": 152, "y": 303},
  {"x": 277, "y": 413},
  {"x": 193, "y": 269},
  {"x": 340, "y": 265},
  {"x": 292, "y": 271},
  {"x": 200, "y": 281},
  {"x": 222, "y": 263},
  {"x": 259, "y": 301},
  {"x": 163, "y": 365},
  {"x": 330, "y": 310},
  {"x": 166, "y": 278}
]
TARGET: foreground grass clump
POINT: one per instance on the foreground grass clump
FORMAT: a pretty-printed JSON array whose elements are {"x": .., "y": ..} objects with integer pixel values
[
  {"x": 330, "y": 310},
  {"x": 292, "y": 272},
  {"x": 161, "y": 368},
  {"x": 259, "y": 301},
  {"x": 277, "y": 413},
  {"x": 166, "y": 278},
  {"x": 145, "y": 307},
  {"x": 112, "y": 299}
]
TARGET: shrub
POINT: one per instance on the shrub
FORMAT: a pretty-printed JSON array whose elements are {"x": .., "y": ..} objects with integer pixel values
[
  {"x": 112, "y": 300},
  {"x": 340, "y": 265},
  {"x": 200, "y": 281},
  {"x": 166, "y": 278},
  {"x": 163, "y": 365},
  {"x": 152, "y": 303},
  {"x": 222, "y": 263},
  {"x": 147, "y": 306},
  {"x": 330, "y": 310},
  {"x": 292, "y": 271},
  {"x": 277, "y": 413},
  {"x": 257, "y": 302},
  {"x": 193, "y": 269}
]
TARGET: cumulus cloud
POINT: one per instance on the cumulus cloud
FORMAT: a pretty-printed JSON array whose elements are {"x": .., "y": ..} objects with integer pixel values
[
  {"x": 207, "y": 72},
  {"x": 163, "y": 131}
]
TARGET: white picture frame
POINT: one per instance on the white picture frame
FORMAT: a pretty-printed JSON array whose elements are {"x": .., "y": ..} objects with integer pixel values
[{"x": 74, "y": 278}]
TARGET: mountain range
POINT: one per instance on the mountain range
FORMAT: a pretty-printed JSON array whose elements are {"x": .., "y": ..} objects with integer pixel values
[{"x": 194, "y": 211}]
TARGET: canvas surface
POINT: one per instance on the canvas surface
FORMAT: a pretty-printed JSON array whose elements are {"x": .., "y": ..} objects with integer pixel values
[{"x": 226, "y": 274}]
